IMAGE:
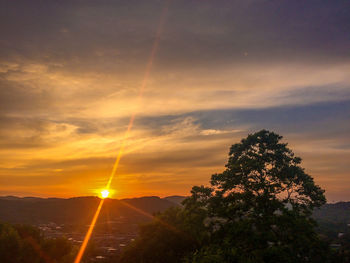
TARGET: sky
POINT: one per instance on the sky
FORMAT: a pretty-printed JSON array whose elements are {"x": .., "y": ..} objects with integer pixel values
[{"x": 71, "y": 71}]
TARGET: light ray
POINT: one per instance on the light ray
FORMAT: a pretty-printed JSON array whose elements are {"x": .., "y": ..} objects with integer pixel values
[
  {"x": 126, "y": 135},
  {"x": 141, "y": 90},
  {"x": 89, "y": 232}
]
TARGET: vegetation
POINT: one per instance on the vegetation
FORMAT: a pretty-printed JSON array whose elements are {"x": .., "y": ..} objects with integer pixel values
[
  {"x": 259, "y": 209},
  {"x": 25, "y": 244}
]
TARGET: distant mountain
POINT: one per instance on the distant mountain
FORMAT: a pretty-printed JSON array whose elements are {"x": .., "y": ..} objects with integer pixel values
[
  {"x": 79, "y": 210},
  {"x": 336, "y": 213},
  {"x": 332, "y": 218},
  {"x": 177, "y": 199},
  {"x": 11, "y": 197}
]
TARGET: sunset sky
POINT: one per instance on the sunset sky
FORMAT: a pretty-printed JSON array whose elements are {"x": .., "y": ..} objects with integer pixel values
[{"x": 70, "y": 74}]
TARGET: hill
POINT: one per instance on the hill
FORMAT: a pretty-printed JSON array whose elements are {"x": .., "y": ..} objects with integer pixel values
[
  {"x": 79, "y": 210},
  {"x": 332, "y": 218},
  {"x": 177, "y": 199}
]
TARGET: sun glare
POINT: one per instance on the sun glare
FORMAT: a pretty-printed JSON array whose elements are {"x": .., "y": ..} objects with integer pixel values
[{"x": 104, "y": 194}]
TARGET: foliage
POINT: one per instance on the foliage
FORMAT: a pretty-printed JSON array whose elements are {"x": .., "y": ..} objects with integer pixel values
[
  {"x": 171, "y": 235},
  {"x": 25, "y": 244},
  {"x": 257, "y": 210}
]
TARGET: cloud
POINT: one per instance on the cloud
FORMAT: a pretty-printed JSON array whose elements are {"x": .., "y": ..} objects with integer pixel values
[
  {"x": 70, "y": 75},
  {"x": 216, "y": 132}
]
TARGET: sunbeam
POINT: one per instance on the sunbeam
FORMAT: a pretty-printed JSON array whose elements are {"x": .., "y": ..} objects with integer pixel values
[{"x": 105, "y": 192}]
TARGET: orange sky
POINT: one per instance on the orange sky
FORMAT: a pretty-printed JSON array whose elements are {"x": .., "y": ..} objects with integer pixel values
[{"x": 70, "y": 74}]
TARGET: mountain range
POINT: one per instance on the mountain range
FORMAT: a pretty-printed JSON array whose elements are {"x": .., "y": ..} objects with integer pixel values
[{"x": 80, "y": 210}]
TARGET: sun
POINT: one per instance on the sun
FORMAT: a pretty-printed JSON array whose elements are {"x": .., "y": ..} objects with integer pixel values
[{"x": 104, "y": 194}]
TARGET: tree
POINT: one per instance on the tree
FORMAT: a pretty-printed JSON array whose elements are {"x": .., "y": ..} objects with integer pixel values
[
  {"x": 257, "y": 210},
  {"x": 260, "y": 207},
  {"x": 266, "y": 172},
  {"x": 169, "y": 237},
  {"x": 9, "y": 244},
  {"x": 25, "y": 244}
]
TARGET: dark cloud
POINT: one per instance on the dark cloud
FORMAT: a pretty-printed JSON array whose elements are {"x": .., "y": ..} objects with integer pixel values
[
  {"x": 286, "y": 118},
  {"x": 109, "y": 34}
]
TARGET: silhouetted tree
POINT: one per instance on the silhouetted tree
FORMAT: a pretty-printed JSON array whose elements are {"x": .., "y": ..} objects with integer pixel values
[{"x": 257, "y": 210}]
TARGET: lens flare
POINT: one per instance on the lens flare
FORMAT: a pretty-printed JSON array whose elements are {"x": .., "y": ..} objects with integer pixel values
[
  {"x": 88, "y": 234},
  {"x": 105, "y": 193}
]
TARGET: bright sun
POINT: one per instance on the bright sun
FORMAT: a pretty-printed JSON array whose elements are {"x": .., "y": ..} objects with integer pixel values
[{"x": 104, "y": 193}]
